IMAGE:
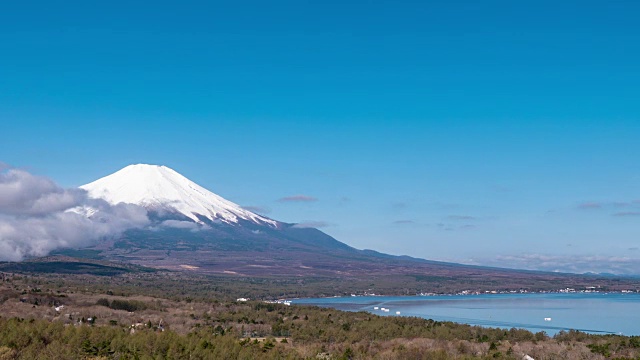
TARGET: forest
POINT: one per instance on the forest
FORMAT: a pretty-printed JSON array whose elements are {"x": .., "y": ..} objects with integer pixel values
[{"x": 53, "y": 316}]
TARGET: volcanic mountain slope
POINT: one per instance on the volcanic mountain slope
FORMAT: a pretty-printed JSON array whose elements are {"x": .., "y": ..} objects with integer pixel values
[{"x": 196, "y": 230}]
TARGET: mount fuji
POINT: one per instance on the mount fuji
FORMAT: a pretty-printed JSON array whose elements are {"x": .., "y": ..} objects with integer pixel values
[
  {"x": 167, "y": 194},
  {"x": 196, "y": 230},
  {"x": 192, "y": 229}
]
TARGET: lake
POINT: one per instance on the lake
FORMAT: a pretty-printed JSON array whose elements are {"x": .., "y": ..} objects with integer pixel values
[{"x": 605, "y": 313}]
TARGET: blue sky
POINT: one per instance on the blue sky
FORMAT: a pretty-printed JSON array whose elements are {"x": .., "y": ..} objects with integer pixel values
[{"x": 502, "y": 133}]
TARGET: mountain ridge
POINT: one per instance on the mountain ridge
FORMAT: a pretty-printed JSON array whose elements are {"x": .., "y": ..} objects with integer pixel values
[{"x": 228, "y": 240}]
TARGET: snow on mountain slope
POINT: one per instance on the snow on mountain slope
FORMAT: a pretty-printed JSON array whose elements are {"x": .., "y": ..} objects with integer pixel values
[{"x": 160, "y": 188}]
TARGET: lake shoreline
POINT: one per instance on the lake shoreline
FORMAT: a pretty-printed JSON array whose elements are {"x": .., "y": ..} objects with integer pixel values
[{"x": 593, "y": 312}]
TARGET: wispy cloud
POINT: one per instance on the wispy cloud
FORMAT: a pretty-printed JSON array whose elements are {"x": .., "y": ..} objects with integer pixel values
[
  {"x": 298, "y": 198},
  {"x": 595, "y": 205},
  {"x": 181, "y": 224},
  {"x": 468, "y": 226},
  {"x": 404, "y": 222},
  {"x": 455, "y": 226},
  {"x": 613, "y": 208},
  {"x": 461, "y": 217},
  {"x": 590, "y": 205},
  {"x": 620, "y": 265},
  {"x": 257, "y": 209},
  {"x": 627, "y": 213},
  {"x": 37, "y": 216},
  {"x": 623, "y": 204},
  {"x": 399, "y": 205},
  {"x": 312, "y": 224},
  {"x": 500, "y": 188}
]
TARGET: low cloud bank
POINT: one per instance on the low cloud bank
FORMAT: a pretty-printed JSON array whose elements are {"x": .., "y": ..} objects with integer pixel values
[
  {"x": 37, "y": 216},
  {"x": 598, "y": 264},
  {"x": 312, "y": 224},
  {"x": 180, "y": 224}
]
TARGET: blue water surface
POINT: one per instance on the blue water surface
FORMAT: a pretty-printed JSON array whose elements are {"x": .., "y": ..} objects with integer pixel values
[{"x": 608, "y": 313}]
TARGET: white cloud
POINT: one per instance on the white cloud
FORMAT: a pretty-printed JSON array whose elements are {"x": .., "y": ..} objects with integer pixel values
[
  {"x": 37, "y": 216},
  {"x": 189, "y": 225}
]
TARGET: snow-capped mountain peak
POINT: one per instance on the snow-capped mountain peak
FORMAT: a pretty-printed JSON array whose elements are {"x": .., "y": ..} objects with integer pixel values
[{"x": 159, "y": 188}]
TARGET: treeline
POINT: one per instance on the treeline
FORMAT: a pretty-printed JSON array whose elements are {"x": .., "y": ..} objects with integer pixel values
[
  {"x": 38, "y": 339},
  {"x": 273, "y": 331},
  {"x": 189, "y": 286},
  {"x": 188, "y": 327}
]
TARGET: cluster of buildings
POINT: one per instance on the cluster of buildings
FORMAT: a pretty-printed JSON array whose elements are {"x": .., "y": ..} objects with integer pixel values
[{"x": 587, "y": 289}]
